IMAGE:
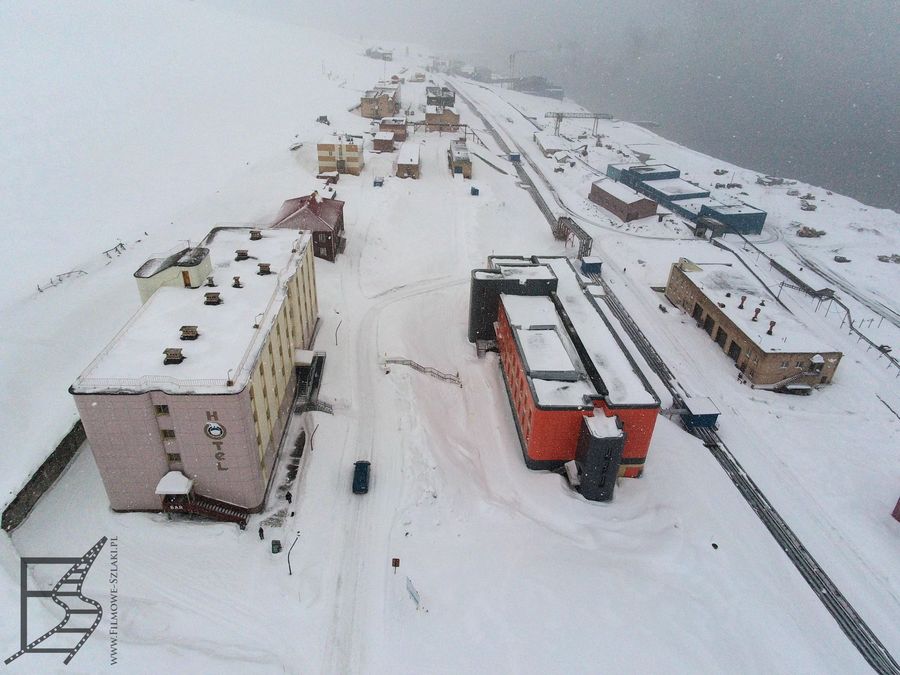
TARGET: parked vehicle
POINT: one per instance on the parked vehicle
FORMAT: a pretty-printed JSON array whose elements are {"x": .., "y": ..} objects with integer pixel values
[{"x": 361, "y": 477}]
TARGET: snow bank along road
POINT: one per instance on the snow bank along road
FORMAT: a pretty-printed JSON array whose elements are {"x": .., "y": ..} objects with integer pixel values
[{"x": 853, "y": 626}]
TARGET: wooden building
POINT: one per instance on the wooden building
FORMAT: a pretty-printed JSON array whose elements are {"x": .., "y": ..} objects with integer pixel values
[
  {"x": 458, "y": 159},
  {"x": 621, "y": 200},
  {"x": 768, "y": 344},
  {"x": 408, "y": 160},
  {"x": 324, "y": 218},
  {"x": 342, "y": 153},
  {"x": 439, "y": 118},
  {"x": 397, "y": 125},
  {"x": 383, "y": 141}
]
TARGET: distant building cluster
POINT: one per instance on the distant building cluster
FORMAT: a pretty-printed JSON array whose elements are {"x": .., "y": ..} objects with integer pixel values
[{"x": 663, "y": 184}]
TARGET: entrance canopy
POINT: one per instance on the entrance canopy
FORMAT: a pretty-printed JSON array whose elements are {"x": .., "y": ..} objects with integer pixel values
[{"x": 174, "y": 483}]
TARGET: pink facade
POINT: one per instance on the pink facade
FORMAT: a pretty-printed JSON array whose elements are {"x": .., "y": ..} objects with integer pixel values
[{"x": 126, "y": 434}]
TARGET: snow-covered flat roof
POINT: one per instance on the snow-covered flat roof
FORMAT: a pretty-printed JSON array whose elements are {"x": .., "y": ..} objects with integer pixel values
[
  {"x": 675, "y": 186},
  {"x": 393, "y": 121},
  {"x": 651, "y": 168},
  {"x": 623, "y": 384},
  {"x": 439, "y": 109},
  {"x": 694, "y": 205},
  {"x": 544, "y": 352},
  {"x": 526, "y": 272},
  {"x": 408, "y": 153},
  {"x": 551, "y": 361},
  {"x": 621, "y": 192},
  {"x": 228, "y": 343},
  {"x": 725, "y": 285},
  {"x": 384, "y": 136},
  {"x": 737, "y": 209},
  {"x": 601, "y": 426},
  {"x": 459, "y": 151}
]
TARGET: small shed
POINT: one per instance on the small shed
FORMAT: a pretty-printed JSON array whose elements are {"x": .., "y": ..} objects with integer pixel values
[
  {"x": 383, "y": 142},
  {"x": 591, "y": 264},
  {"x": 701, "y": 412},
  {"x": 408, "y": 160}
]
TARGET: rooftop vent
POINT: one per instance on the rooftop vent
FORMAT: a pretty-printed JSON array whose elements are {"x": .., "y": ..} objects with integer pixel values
[
  {"x": 743, "y": 300},
  {"x": 255, "y": 235},
  {"x": 241, "y": 254},
  {"x": 213, "y": 298},
  {"x": 210, "y": 282},
  {"x": 189, "y": 333},
  {"x": 237, "y": 283},
  {"x": 756, "y": 314},
  {"x": 728, "y": 294},
  {"x": 762, "y": 303},
  {"x": 264, "y": 268},
  {"x": 173, "y": 356},
  {"x": 771, "y": 326},
  {"x": 721, "y": 304}
]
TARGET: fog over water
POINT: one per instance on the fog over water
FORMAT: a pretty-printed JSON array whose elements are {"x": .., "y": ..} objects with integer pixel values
[{"x": 804, "y": 89}]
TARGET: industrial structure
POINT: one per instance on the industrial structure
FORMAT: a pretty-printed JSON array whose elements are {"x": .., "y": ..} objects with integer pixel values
[
  {"x": 663, "y": 184},
  {"x": 770, "y": 347},
  {"x": 323, "y": 218},
  {"x": 575, "y": 387},
  {"x": 342, "y": 153},
  {"x": 185, "y": 408}
]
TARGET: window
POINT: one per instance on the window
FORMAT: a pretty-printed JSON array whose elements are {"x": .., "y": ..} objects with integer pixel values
[
  {"x": 167, "y": 434},
  {"x": 798, "y": 364},
  {"x": 173, "y": 457},
  {"x": 161, "y": 410},
  {"x": 322, "y": 251},
  {"x": 784, "y": 364}
]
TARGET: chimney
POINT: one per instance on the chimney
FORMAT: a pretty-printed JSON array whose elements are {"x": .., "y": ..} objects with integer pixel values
[
  {"x": 189, "y": 333},
  {"x": 210, "y": 282},
  {"x": 173, "y": 356},
  {"x": 756, "y": 313},
  {"x": 213, "y": 298},
  {"x": 241, "y": 254},
  {"x": 237, "y": 283},
  {"x": 264, "y": 269},
  {"x": 255, "y": 235},
  {"x": 771, "y": 326},
  {"x": 743, "y": 300}
]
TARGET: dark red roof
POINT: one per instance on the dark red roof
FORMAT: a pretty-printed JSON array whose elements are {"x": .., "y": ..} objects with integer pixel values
[{"x": 310, "y": 213}]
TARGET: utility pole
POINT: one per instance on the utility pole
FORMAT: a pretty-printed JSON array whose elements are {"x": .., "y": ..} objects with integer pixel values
[{"x": 290, "y": 572}]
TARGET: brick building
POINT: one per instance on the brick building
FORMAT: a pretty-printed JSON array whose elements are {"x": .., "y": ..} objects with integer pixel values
[
  {"x": 438, "y": 118},
  {"x": 767, "y": 343},
  {"x": 408, "y": 160},
  {"x": 198, "y": 384},
  {"x": 383, "y": 141},
  {"x": 621, "y": 200},
  {"x": 381, "y": 101},
  {"x": 396, "y": 125},
  {"x": 323, "y": 218},
  {"x": 459, "y": 160}
]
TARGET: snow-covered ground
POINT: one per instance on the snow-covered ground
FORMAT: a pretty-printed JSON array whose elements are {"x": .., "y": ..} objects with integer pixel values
[{"x": 152, "y": 124}]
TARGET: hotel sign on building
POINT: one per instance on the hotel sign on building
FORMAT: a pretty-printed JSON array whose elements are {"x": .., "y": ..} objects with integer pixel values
[{"x": 201, "y": 379}]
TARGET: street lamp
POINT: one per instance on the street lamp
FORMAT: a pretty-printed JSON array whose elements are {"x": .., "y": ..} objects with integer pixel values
[{"x": 290, "y": 572}]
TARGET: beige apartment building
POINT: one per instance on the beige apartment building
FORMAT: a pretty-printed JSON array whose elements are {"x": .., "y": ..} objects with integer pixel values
[
  {"x": 198, "y": 384},
  {"x": 342, "y": 153}
]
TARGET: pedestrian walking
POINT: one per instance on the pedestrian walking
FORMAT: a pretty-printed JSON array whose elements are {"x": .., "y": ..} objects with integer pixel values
[
  {"x": 288, "y": 496},
  {"x": 261, "y": 534}
]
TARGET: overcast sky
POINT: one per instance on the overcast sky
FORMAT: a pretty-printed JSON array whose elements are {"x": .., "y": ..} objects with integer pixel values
[{"x": 807, "y": 89}]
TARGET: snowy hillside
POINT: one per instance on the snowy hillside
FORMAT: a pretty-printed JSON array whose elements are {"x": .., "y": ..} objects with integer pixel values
[{"x": 148, "y": 124}]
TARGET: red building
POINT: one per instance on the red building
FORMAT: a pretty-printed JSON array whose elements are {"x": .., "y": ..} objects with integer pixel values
[
  {"x": 323, "y": 217},
  {"x": 621, "y": 200},
  {"x": 575, "y": 390}
]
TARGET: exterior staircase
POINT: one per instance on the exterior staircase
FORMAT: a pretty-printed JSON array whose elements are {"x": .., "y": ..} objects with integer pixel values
[{"x": 207, "y": 507}]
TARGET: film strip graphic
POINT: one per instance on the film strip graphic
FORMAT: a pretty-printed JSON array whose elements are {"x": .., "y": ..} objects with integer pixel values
[{"x": 68, "y": 586}]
